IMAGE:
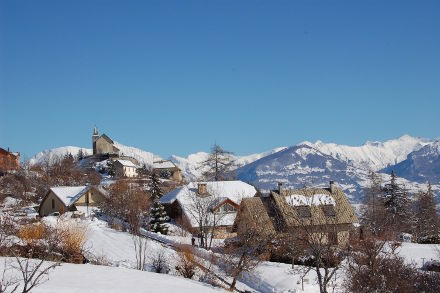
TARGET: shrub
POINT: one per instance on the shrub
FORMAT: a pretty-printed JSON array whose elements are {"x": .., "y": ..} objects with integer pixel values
[
  {"x": 159, "y": 262},
  {"x": 73, "y": 238},
  {"x": 186, "y": 263},
  {"x": 32, "y": 233}
]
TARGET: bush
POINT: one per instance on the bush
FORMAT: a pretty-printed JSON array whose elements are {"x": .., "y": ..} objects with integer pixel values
[
  {"x": 73, "y": 238},
  {"x": 186, "y": 263},
  {"x": 159, "y": 262},
  {"x": 32, "y": 233}
]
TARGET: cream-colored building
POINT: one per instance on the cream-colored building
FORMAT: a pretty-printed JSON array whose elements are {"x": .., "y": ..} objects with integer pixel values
[
  {"x": 69, "y": 198},
  {"x": 125, "y": 168},
  {"x": 103, "y": 145}
]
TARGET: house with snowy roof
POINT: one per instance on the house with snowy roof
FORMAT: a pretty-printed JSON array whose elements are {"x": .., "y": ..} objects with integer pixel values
[
  {"x": 221, "y": 200},
  {"x": 70, "y": 198},
  {"x": 321, "y": 210},
  {"x": 168, "y": 170},
  {"x": 125, "y": 168}
]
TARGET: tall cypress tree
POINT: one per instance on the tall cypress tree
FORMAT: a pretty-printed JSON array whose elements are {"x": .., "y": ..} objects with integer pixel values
[{"x": 158, "y": 216}]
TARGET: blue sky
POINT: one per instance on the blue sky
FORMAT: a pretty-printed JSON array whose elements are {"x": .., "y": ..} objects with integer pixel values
[{"x": 173, "y": 77}]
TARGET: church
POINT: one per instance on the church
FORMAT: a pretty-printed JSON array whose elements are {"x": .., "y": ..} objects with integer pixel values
[{"x": 103, "y": 145}]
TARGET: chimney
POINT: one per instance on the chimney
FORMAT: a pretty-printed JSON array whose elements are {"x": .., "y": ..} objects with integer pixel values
[
  {"x": 202, "y": 189},
  {"x": 280, "y": 187},
  {"x": 332, "y": 186}
]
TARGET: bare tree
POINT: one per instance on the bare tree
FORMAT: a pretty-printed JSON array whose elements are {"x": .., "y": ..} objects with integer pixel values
[
  {"x": 200, "y": 209},
  {"x": 140, "y": 250},
  {"x": 373, "y": 214},
  {"x": 34, "y": 272},
  {"x": 374, "y": 266},
  {"x": 218, "y": 165},
  {"x": 244, "y": 253},
  {"x": 8, "y": 283}
]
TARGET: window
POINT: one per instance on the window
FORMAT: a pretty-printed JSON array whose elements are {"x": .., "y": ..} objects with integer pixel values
[
  {"x": 329, "y": 210},
  {"x": 53, "y": 203},
  {"x": 226, "y": 208},
  {"x": 333, "y": 238},
  {"x": 304, "y": 211}
]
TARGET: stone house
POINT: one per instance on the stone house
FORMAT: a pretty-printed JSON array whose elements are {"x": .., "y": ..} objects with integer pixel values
[
  {"x": 9, "y": 160},
  {"x": 220, "y": 199},
  {"x": 103, "y": 145},
  {"x": 125, "y": 168},
  {"x": 319, "y": 211},
  {"x": 167, "y": 169},
  {"x": 70, "y": 198}
]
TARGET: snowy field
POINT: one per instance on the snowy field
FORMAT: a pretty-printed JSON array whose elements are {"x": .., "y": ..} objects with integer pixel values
[
  {"x": 117, "y": 249},
  {"x": 73, "y": 278}
]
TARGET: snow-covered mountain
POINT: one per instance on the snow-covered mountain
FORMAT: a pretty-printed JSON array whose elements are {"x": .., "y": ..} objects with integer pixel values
[
  {"x": 422, "y": 165},
  {"x": 191, "y": 165},
  {"x": 415, "y": 160},
  {"x": 49, "y": 156},
  {"x": 316, "y": 163},
  {"x": 373, "y": 155}
]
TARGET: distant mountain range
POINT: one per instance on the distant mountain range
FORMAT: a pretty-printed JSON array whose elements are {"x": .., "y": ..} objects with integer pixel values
[{"x": 415, "y": 160}]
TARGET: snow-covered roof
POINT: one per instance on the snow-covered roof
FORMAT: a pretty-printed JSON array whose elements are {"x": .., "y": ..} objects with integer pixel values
[
  {"x": 127, "y": 163},
  {"x": 163, "y": 164},
  {"x": 69, "y": 194},
  {"x": 218, "y": 191},
  {"x": 316, "y": 200}
]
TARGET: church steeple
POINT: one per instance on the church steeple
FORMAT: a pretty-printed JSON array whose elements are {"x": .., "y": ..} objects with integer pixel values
[{"x": 95, "y": 136}]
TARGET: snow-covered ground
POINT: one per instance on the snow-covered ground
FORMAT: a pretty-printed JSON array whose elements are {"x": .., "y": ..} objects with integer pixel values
[
  {"x": 116, "y": 250},
  {"x": 75, "y": 278}
]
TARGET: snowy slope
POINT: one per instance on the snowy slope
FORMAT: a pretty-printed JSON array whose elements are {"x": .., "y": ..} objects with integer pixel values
[
  {"x": 422, "y": 165},
  {"x": 70, "y": 278},
  {"x": 372, "y": 155},
  {"x": 52, "y": 154},
  {"x": 142, "y": 156}
]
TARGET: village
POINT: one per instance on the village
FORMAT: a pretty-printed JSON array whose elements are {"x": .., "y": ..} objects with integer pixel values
[{"x": 108, "y": 209}]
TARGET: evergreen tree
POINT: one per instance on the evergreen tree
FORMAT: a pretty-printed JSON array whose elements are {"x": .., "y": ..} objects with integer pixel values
[
  {"x": 427, "y": 218},
  {"x": 155, "y": 189},
  {"x": 80, "y": 155},
  {"x": 397, "y": 205},
  {"x": 158, "y": 216}
]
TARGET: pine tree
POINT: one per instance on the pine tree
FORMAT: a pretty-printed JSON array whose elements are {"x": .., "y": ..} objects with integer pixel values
[
  {"x": 155, "y": 189},
  {"x": 397, "y": 205},
  {"x": 427, "y": 218},
  {"x": 80, "y": 155},
  {"x": 158, "y": 216}
]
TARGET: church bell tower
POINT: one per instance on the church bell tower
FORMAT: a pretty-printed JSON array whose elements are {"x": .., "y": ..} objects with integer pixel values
[{"x": 95, "y": 136}]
